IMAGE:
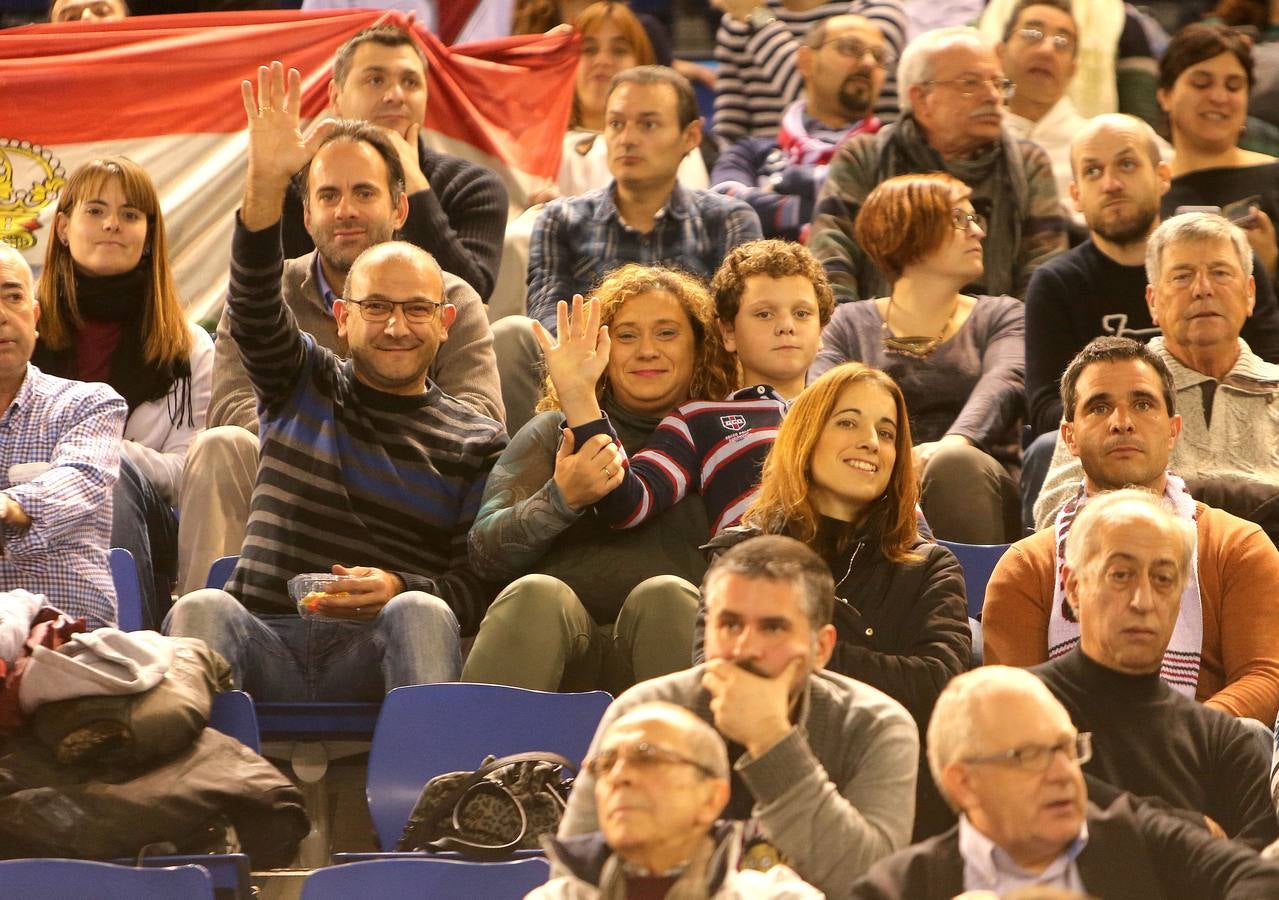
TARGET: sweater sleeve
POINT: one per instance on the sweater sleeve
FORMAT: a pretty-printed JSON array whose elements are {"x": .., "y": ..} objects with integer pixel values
[
  {"x": 522, "y": 512},
  {"x": 656, "y": 478},
  {"x": 1048, "y": 347},
  {"x": 832, "y": 833},
  {"x": 465, "y": 366},
  {"x": 1014, "y": 618},
  {"x": 231, "y": 400},
  {"x": 1192, "y": 863},
  {"x": 272, "y": 347},
  {"x": 1249, "y": 625},
  {"x": 998, "y": 398},
  {"x": 460, "y": 220},
  {"x": 1240, "y": 796},
  {"x": 162, "y": 456},
  {"x": 941, "y": 646},
  {"x": 549, "y": 265},
  {"x": 1043, "y": 229},
  {"x": 839, "y": 343},
  {"x": 831, "y": 239}
]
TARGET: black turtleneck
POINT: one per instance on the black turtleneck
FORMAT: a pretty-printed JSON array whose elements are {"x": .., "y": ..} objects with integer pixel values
[{"x": 1153, "y": 742}]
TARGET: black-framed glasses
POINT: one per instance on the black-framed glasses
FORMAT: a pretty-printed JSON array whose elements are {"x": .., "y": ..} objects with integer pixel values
[
  {"x": 419, "y": 312},
  {"x": 853, "y": 48},
  {"x": 963, "y": 220},
  {"x": 1038, "y": 757},
  {"x": 642, "y": 755},
  {"x": 1062, "y": 43},
  {"x": 971, "y": 84}
]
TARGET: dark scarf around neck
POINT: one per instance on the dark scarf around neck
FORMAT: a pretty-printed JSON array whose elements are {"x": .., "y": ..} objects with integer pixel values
[{"x": 123, "y": 299}]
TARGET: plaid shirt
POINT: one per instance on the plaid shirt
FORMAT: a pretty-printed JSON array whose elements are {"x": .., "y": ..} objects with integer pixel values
[
  {"x": 69, "y": 433},
  {"x": 578, "y": 240}
]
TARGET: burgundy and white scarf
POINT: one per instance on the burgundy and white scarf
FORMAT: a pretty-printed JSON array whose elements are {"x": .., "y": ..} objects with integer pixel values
[
  {"x": 1185, "y": 649},
  {"x": 805, "y": 146}
]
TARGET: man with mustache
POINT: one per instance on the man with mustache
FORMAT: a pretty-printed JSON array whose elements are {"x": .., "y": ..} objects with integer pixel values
[
  {"x": 1121, "y": 423},
  {"x": 1201, "y": 293},
  {"x": 823, "y": 766},
  {"x": 1008, "y": 758},
  {"x": 843, "y": 61},
  {"x": 953, "y": 91},
  {"x": 368, "y": 469},
  {"x": 1127, "y": 562}
]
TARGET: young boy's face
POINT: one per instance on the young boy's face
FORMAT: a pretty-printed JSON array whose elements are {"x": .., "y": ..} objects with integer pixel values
[{"x": 777, "y": 330}]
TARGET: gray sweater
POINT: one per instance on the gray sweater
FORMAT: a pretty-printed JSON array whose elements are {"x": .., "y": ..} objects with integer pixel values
[
  {"x": 834, "y": 796},
  {"x": 973, "y": 384}
]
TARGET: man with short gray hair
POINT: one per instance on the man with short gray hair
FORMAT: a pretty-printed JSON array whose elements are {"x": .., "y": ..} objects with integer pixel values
[
  {"x": 824, "y": 767},
  {"x": 661, "y": 780},
  {"x": 1201, "y": 291},
  {"x": 1007, "y": 757},
  {"x": 952, "y": 94},
  {"x": 1127, "y": 561}
]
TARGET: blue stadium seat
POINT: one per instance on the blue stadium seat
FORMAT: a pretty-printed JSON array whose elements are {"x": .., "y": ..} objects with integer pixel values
[
  {"x": 429, "y": 729},
  {"x": 978, "y": 562},
  {"x": 426, "y": 878},
  {"x": 234, "y": 715},
  {"x": 128, "y": 593},
  {"x": 220, "y": 571},
  {"x": 50, "y": 878}
]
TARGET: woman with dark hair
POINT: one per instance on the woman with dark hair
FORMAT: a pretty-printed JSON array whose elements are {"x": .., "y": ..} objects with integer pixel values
[
  {"x": 960, "y": 359},
  {"x": 109, "y": 312},
  {"x": 841, "y": 478},
  {"x": 1204, "y": 81},
  {"x": 584, "y": 605}
]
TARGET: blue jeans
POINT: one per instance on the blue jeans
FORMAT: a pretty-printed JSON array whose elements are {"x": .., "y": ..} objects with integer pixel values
[
  {"x": 1035, "y": 462},
  {"x": 288, "y": 658},
  {"x": 143, "y": 523}
]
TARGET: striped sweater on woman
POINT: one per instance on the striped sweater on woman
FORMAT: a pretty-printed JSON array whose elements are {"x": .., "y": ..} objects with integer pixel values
[
  {"x": 349, "y": 474},
  {"x": 758, "y": 76}
]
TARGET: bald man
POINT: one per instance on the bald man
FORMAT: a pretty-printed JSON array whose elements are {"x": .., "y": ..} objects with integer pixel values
[
  {"x": 368, "y": 470},
  {"x": 59, "y": 459},
  {"x": 661, "y": 782}
]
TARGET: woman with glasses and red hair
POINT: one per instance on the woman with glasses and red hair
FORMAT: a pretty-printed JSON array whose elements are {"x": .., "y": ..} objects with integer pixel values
[{"x": 959, "y": 359}]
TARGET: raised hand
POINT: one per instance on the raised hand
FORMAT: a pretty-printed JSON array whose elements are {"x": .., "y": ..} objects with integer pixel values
[
  {"x": 577, "y": 360},
  {"x": 276, "y": 146},
  {"x": 586, "y": 477}
]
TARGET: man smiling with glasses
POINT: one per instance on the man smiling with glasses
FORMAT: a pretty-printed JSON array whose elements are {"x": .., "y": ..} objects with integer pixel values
[
  {"x": 661, "y": 780},
  {"x": 1006, "y": 756},
  {"x": 953, "y": 93},
  {"x": 368, "y": 470}
]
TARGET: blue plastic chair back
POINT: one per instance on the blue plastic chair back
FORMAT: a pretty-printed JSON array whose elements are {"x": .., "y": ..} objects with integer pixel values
[
  {"x": 234, "y": 715},
  {"x": 978, "y": 562},
  {"x": 426, "y": 878},
  {"x": 429, "y": 729},
  {"x": 220, "y": 571},
  {"x": 52, "y": 878},
  {"x": 128, "y": 593}
]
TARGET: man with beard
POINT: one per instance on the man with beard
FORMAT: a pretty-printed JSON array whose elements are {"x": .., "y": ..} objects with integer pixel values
[
  {"x": 354, "y": 198},
  {"x": 953, "y": 92},
  {"x": 823, "y": 766},
  {"x": 1099, "y": 287},
  {"x": 1121, "y": 422},
  {"x": 843, "y": 61},
  {"x": 368, "y": 469}
]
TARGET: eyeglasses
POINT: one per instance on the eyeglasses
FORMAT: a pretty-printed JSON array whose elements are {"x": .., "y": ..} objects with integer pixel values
[
  {"x": 964, "y": 220},
  {"x": 1038, "y": 757},
  {"x": 852, "y": 48},
  {"x": 971, "y": 84},
  {"x": 1062, "y": 43},
  {"x": 419, "y": 312},
  {"x": 642, "y": 755}
]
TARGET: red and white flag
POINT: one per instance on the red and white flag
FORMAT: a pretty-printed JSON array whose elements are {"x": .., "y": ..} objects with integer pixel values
[{"x": 165, "y": 91}]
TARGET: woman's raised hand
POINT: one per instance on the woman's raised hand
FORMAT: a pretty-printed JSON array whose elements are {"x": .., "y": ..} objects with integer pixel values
[{"x": 577, "y": 360}]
